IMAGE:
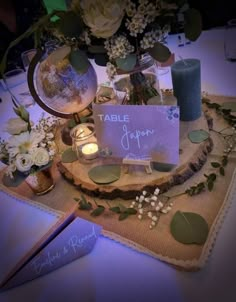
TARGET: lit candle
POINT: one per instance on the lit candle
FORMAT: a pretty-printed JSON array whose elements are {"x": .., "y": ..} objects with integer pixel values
[
  {"x": 90, "y": 151},
  {"x": 186, "y": 80}
]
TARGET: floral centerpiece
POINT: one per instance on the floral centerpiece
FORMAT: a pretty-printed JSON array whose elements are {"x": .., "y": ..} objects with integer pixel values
[
  {"x": 116, "y": 34},
  {"x": 29, "y": 148}
]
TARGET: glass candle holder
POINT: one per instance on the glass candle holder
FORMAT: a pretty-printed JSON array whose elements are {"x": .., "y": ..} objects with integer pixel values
[{"x": 84, "y": 142}]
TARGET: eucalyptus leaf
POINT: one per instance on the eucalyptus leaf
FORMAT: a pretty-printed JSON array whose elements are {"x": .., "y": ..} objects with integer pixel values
[
  {"x": 159, "y": 52},
  {"x": 17, "y": 179},
  {"x": 224, "y": 161},
  {"x": 131, "y": 211},
  {"x": 215, "y": 164},
  {"x": 87, "y": 206},
  {"x": 101, "y": 59},
  {"x": 192, "y": 24},
  {"x": 127, "y": 63},
  {"x": 210, "y": 185},
  {"x": 70, "y": 25},
  {"x": 98, "y": 211},
  {"x": 104, "y": 174},
  {"x": 198, "y": 136},
  {"x": 123, "y": 216},
  {"x": 222, "y": 171},
  {"x": 229, "y": 105},
  {"x": 69, "y": 156},
  {"x": 115, "y": 209},
  {"x": 187, "y": 228},
  {"x": 79, "y": 61},
  {"x": 97, "y": 49}
]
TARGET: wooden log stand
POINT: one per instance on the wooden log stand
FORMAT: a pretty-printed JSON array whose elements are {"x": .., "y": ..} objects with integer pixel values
[{"x": 192, "y": 158}]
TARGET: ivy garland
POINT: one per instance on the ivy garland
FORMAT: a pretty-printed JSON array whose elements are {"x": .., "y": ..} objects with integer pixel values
[{"x": 162, "y": 204}]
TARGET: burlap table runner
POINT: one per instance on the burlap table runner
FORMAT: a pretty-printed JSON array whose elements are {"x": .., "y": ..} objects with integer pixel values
[{"x": 159, "y": 242}]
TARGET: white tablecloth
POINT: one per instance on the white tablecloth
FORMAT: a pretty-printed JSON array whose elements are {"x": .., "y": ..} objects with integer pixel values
[{"x": 113, "y": 272}]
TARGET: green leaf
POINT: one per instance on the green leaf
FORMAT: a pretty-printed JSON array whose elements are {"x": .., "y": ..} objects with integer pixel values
[
  {"x": 101, "y": 59},
  {"x": 215, "y": 165},
  {"x": 210, "y": 185},
  {"x": 79, "y": 61},
  {"x": 126, "y": 63},
  {"x": 85, "y": 206},
  {"x": 229, "y": 106},
  {"x": 115, "y": 209},
  {"x": 104, "y": 174},
  {"x": 212, "y": 177},
  {"x": 95, "y": 49},
  {"x": 69, "y": 156},
  {"x": 71, "y": 123},
  {"x": 222, "y": 171},
  {"x": 131, "y": 211},
  {"x": 187, "y": 228},
  {"x": 98, "y": 211},
  {"x": 192, "y": 24},
  {"x": 123, "y": 216},
  {"x": 70, "y": 25},
  {"x": 224, "y": 161},
  {"x": 198, "y": 136},
  {"x": 159, "y": 52},
  {"x": 17, "y": 179}
]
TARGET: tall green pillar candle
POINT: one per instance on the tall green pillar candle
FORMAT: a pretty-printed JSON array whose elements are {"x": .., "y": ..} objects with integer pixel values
[{"x": 186, "y": 80}]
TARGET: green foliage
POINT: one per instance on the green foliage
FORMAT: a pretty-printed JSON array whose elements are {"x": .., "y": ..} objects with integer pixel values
[
  {"x": 70, "y": 25},
  {"x": 128, "y": 63},
  {"x": 189, "y": 228},
  {"x": 104, "y": 174},
  {"x": 69, "y": 156},
  {"x": 198, "y": 136},
  {"x": 121, "y": 210},
  {"x": 192, "y": 24},
  {"x": 78, "y": 59},
  {"x": 159, "y": 52}
]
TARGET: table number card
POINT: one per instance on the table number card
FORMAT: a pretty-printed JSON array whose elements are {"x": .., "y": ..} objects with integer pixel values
[
  {"x": 36, "y": 239},
  {"x": 139, "y": 132}
]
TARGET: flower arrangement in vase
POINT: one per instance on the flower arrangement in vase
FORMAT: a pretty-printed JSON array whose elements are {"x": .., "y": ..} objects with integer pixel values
[
  {"x": 29, "y": 150},
  {"x": 117, "y": 34}
]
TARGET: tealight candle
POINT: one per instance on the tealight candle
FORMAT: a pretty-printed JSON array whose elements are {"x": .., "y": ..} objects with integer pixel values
[
  {"x": 89, "y": 150},
  {"x": 186, "y": 80}
]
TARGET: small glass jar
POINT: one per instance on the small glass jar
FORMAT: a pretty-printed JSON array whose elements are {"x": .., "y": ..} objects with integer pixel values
[
  {"x": 139, "y": 85},
  {"x": 84, "y": 142}
]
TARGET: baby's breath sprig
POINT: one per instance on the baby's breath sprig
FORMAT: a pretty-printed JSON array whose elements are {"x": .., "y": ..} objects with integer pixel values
[{"x": 151, "y": 205}]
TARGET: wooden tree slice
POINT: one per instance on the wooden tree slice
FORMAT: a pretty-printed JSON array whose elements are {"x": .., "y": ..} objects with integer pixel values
[{"x": 192, "y": 158}]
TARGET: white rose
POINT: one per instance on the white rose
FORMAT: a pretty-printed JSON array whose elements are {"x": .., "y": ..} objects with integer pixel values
[
  {"x": 103, "y": 17},
  {"x": 16, "y": 126},
  {"x": 23, "y": 162},
  {"x": 40, "y": 157}
]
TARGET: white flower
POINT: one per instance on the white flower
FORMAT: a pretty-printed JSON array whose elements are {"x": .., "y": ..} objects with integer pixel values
[
  {"x": 40, "y": 157},
  {"x": 16, "y": 126},
  {"x": 25, "y": 142},
  {"x": 23, "y": 162},
  {"x": 103, "y": 17}
]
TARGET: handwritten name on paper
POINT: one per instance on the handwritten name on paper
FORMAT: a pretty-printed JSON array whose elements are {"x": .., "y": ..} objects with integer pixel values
[
  {"x": 136, "y": 136},
  {"x": 51, "y": 258},
  {"x": 138, "y": 131}
]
